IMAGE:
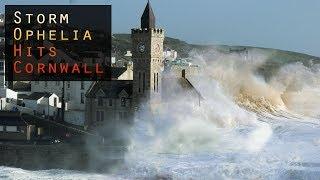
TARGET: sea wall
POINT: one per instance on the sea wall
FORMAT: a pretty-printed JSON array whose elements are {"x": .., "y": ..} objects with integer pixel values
[{"x": 55, "y": 156}]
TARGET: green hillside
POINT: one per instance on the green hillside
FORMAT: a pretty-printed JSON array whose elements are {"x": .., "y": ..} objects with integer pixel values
[
  {"x": 276, "y": 58},
  {"x": 122, "y": 42}
]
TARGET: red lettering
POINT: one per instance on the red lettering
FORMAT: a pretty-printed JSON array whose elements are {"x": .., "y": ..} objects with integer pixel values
[
  {"x": 86, "y": 71},
  {"x": 29, "y": 68},
  {"x": 75, "y": 68},
  {"x": 52, "y": 67},
  {"x": 64, "y": 67},
  {"x": 41, "y": 67},
  {"x": 97, "y": 69},
  {"x": 15, "y": 68}
]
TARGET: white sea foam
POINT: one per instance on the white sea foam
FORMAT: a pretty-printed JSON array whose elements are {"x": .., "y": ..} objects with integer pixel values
[{"x": 246, "y": 128}]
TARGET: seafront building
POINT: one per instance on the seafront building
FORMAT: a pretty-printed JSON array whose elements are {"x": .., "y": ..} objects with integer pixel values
[
  {"x": 139, "y": 80},
  {"x": 112, "y": 105}
]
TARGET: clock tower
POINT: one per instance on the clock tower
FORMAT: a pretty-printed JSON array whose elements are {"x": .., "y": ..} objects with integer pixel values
[{"x": 147, "y": 57}]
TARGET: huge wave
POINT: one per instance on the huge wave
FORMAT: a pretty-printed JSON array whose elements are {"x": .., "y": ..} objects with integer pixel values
[
  {"x": 248, "y": 126},
  {"x": 244, "y": 117}
]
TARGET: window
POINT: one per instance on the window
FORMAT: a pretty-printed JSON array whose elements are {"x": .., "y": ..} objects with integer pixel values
[
  {"x": 110, "y": 102},
  {"x": 154, "y": 82},
  {"x": 68, "y": 84},
  {"x": 157, "y": 82},
  {"x": 100, "y": 101},
  {"x": 100, "y": 115},
  {"x": 97, "y": 115},
  {"x": 45, "y": 83},
  {"x": 123, "y": 102},
  {"x": 55, "y": 102},
  {"x": 139, "y": 81},
  {"x": 82, "y": 85},
  {"x": 82, "y": 98},
  {"x": 1, "y": 66},
  {"x": 144, "y": 82},
  {"x": 11, "y": 129}
]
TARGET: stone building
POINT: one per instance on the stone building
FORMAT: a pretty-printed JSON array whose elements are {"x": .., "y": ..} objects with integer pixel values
[
  {"x": 111, "y": 104},
  {"x": 147, "y": 57},
  {"x": 14, "y": 128}
]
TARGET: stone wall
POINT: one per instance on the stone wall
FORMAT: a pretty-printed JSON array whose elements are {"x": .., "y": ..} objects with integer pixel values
[{"x": 59, "y": 156}]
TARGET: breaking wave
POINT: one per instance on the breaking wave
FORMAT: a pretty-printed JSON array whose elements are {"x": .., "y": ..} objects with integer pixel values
[{"x": 247, "y": 127}]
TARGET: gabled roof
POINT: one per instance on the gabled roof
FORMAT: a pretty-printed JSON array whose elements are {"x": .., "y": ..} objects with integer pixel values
[
  {"x": 22, "y": 86},
  {"x": 181, "y": 85},
  {"x": 38, "y": 95},
  {"x": 187, "y": 85},
  {"x": 116, "y": 72},
  {"x": 148, "y": 19},
  {"x": 110, "y": 89},
  {"x": 22, "y": 96}
]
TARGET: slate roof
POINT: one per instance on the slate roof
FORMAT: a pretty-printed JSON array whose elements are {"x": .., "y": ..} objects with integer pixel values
[
  {"x": 22, "y": 86},
  {"x": 117, "y": 71},
  {"x": 182, "y": 85},
  {"x": 111, "y": 89},
  {"x": 22, "y": 96},
  {"x": 37, "y": 95},
  {"x": 148, "y": 19},
  {"x": 187, "y": 85},
  {"x": 9, "y": 118}
]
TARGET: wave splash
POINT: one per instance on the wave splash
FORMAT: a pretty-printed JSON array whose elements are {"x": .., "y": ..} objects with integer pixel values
[
  {"x": 240, "y": 115},
  {"x": 246, "y": 128}
]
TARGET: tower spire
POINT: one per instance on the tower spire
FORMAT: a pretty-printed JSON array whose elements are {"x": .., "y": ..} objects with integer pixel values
[{"x": 148, "y": 19}]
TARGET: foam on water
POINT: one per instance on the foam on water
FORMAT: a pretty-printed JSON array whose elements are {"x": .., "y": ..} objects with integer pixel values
[{"x": 247, "y": 127}]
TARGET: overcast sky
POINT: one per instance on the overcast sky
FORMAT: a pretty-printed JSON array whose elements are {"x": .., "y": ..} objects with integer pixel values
[{"x": 282, "y": 24}]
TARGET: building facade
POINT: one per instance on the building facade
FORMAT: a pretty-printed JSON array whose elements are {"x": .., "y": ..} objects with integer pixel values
[
  {"x": 147, "y": 58},
  {"x": 113, "y": 104}
]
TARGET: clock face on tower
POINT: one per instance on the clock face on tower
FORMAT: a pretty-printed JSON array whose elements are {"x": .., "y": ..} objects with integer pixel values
[{"x": 141, "y": 47}]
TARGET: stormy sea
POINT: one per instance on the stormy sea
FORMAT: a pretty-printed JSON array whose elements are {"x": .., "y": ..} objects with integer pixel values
[{"x": 260, "y": 119}]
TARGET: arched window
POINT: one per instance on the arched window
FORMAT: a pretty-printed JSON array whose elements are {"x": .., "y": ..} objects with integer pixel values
[{"x": 157, "y": 82}]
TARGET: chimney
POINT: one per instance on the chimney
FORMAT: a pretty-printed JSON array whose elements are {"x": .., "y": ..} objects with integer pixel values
[{"x": 183, "y": 73}]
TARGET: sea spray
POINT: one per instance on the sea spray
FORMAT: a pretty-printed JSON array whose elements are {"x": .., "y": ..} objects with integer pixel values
[
  {"x": 235, "y": 122},
  {"x": 300, "y": 87},
  {"x": 239, "y": 131}
]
